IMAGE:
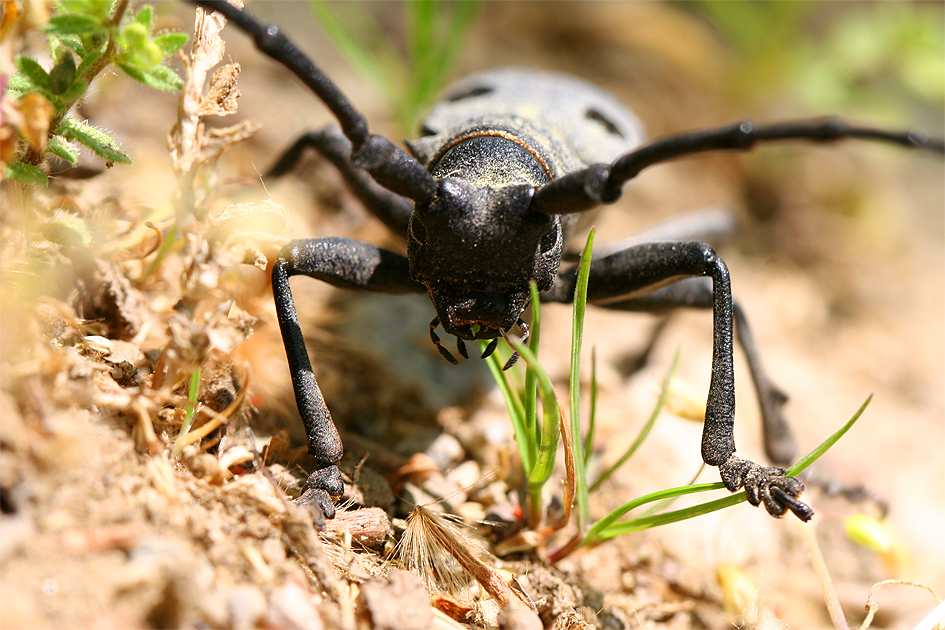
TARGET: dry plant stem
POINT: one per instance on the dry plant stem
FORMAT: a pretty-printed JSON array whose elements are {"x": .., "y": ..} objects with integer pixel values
[
  {"x": 837, "y": 618},
  {"x": 185, "y": 138},
  {"x": 369, "y": 527},
  {"x": 935, "y": 620}
]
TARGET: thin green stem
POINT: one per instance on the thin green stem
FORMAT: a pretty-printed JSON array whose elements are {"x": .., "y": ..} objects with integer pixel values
[{"x": 645, "y": 431}]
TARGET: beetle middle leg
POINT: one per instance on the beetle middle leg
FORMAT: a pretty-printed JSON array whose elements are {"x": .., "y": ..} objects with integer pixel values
[
  {"x": 644, "y": 268},
  {"x": 345, "y": 263},
  {"x": 392, "y": 209}
]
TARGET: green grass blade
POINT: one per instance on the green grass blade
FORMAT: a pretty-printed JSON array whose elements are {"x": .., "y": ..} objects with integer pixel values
[
  {"x": 439, "y": 30},
  {"x": 524, "y": 437},
  {"x": 192, "y": 392},
  {"x": 550, "y": 427},
  {"x": 609, "y": 526},
  {"x": 645, "y": 431},
  {"x": 530, "y": 396},
  {"x": 592, "y": 413},
  {"x": 577, "y": 337},
  {"x": 803, "y": 463},
  {"x": 382, "y": 67}
]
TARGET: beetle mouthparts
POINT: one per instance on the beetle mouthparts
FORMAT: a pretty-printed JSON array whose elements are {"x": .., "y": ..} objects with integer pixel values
[{"x": 483, "y": 332}]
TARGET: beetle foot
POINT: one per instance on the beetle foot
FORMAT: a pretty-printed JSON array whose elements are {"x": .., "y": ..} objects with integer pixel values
[
  {"x": 320, "y": 486},
  {"x": 766, "y": 484}
]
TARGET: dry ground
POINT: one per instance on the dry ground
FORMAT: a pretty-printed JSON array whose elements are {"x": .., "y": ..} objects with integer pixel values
[{"x": 840, "y": 268}]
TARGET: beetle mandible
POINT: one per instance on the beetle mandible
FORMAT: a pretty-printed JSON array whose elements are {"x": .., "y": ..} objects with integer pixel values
[{"x": 487, "y": 199}]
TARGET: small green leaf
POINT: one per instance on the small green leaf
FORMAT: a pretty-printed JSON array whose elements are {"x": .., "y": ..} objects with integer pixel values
[
  {"x": 73, "y": 24},
  {"x": 97, "y": 8},
  {"x": 145, "y": 16},
  {"x": 170, "y": 43},
  {"x": 58, "y": 147},
  {"x": 73, "y": 43},
  {"x": 62, "y": 75},
  {"x": 95, "y": 139},
  {"x": 32, "y": 71},
  {"x": 27, "y": 174},
  {"x": 75, "y": 92},
  {"x": 157, "y": 77}
]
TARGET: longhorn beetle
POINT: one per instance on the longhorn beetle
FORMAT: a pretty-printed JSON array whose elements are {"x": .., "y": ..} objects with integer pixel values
[{"x": 487, "y": 198}]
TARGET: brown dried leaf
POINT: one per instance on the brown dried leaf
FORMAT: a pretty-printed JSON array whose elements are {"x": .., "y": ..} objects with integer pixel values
[
  {"x": 219, "y": 140},
  {"x": 222, "y": 94},
  {"x": 186, "y": 139},
  {"x": 30, "y": 117},
  {"x": 38, "y": 113},
  {"x": 8, "y": 142},
  {"x": 9, "y": 16}
]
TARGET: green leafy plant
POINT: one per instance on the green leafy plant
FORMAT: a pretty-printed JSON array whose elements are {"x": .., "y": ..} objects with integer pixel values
[{"x": 85, "y": 37}]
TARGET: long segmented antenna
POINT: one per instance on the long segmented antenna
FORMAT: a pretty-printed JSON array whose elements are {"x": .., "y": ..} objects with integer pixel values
[
  {"x": 598, "y": 184},
  {"x": 389, "y": 165}
]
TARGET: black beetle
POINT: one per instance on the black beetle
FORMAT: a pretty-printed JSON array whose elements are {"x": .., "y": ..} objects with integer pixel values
[{"x": 487, "y": 198}]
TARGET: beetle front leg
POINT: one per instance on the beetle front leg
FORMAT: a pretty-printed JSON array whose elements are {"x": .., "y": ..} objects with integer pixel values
[
  {"x": 344, "y": 263},
  {"x": 648, "y": 267},
  {"x": 780, "y": 444}
]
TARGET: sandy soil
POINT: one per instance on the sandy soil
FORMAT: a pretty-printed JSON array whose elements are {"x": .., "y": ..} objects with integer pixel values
[{"x": 839, "y": 266}]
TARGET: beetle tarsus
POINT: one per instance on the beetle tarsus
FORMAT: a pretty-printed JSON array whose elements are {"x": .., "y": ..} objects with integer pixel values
[{"x": 766, "y": 485}]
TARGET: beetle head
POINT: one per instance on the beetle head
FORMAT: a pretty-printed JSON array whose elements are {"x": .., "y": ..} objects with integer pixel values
[{"x": 476, "y": 248}]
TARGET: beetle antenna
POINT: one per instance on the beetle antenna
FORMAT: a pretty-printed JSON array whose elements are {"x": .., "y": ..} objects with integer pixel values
[
  {"x": 436, "y": 341},
  {"x": 743, "y": 136},
  {"x": 461, "y": 346},
  {"x": 599, "y": 184},
  {"x": 389, "y": 165}
]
